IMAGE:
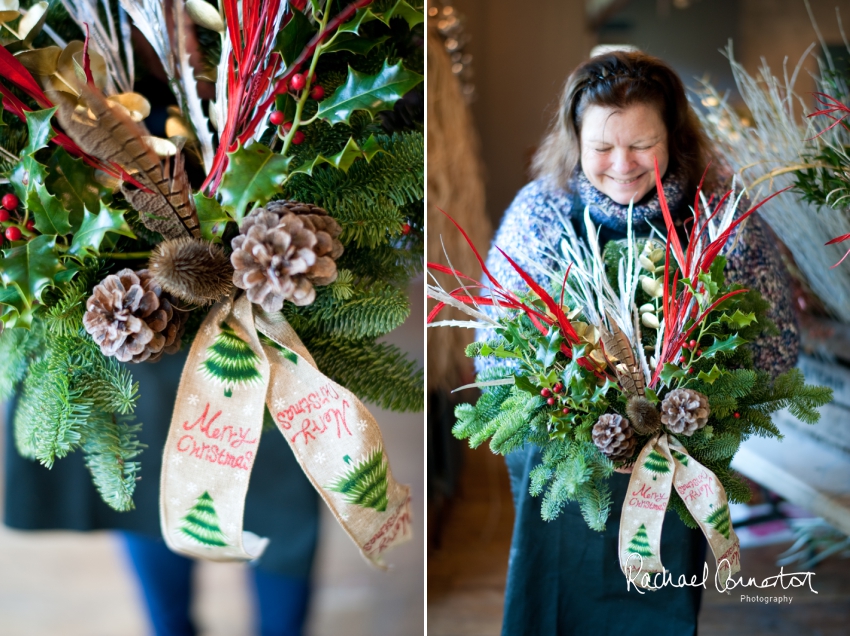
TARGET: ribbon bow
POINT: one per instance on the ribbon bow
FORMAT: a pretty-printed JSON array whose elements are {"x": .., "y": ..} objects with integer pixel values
[
  {"x": 242, "y": 360},
  {"x": 663, "y": 464}
]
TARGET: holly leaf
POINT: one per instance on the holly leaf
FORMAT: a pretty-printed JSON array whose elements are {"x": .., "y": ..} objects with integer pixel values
[
  {"x": 671, "y": 372},
  {"x": 94, "y": 227},
  {"x": 500, "y": 352},
  {"x": 73, "y": 183},
  {"x": 39, "y": 129},
  {"x": 524, "y": 384},
  {"x": 372, "y": 93},
  {"x": 354, "y": 44},
  {"x": 50, "y": 216},
  {"x": 294, "y": 36},
  {"x": 400, "y": 9},
  {"x": 30, "y": 268},
  {"x": 730, "y": 344},
  {"x": 254, "y": 175},
  {"x": 712, "y": 376},
  {"x": 739, "y": 318},
  {"x": 345, "y": 157},
  {"x": 549, "y": 347},
  {"x": 14, "y": 311},
  {"x": 212, "y": 217}
]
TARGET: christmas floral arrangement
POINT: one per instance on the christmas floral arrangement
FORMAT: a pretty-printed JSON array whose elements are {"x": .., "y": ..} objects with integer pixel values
[
  {"x": 636, "y": 360},
  {"x": 273, "y": 228}
]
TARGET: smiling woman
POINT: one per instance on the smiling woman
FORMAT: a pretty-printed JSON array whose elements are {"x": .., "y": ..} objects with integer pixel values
[
  {"x": 620, "y": 113},
  {"x": 619, "y": 148}
]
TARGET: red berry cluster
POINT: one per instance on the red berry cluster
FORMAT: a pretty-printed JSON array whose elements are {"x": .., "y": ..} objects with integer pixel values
[
  {"x": 295, "y": 84},
  {"x": 12, "y": 226},
  {"x": 553, "y": 396}
]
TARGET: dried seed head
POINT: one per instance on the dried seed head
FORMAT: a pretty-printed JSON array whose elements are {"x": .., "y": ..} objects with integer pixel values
[{"x": 192, "y": 270}]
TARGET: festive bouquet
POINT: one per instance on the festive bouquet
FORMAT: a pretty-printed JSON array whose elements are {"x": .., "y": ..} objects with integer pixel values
[
  {"x": 289, "y": 198},
  {"x": 639, "y": 364}
]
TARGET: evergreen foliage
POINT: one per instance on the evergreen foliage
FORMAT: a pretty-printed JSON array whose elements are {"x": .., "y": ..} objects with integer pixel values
[
  {"x": 366, "y": 483},
  {"x": 72, "y": 397},
  {"x": 741, "y": 399},
  {"x": 376, "y": 372}
]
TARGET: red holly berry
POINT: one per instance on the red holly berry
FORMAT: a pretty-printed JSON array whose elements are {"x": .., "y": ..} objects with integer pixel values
[
  {"x": 690, "y": 369},
  {"x": 545, "y": 392},
  {"x": 10, "y": 201},
  {"x": 682, "y": 359},
  {"x": 282, "y": 87},
  {"x": 550, "y": 401},
  {"x": 737, "y": 415},
  {"x": 405, "y": 229},
  {"x": 692, "y": 344},
  {"x": 298, "y": 137},
  {"x": 30, "y": 225},
  {"x": 558, "y": 387},
  {"x": 4, "y": 215},
  {"x": 699, "y": 353},
  {"x": 297, "y": 81},
  {"x": 287, "y": 126},
  {"x": 565, "y": 410},
  {"x": 13, "y": 233},
  {"x": 317, "y": 92},
  {"x": 276, "y": 118}
]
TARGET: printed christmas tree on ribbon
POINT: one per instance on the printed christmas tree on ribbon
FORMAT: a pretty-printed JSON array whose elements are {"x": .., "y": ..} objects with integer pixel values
[
  {"x": 201, "y": 524},
  {"x": 680, "y": 457},
  {"x": 720, "y": 521},
  {"x": 656, "y": 463},
  {"x": 366, "y": 483},
  {"x": 230, "y": 361},
  {"x": 640, "y": 543}
]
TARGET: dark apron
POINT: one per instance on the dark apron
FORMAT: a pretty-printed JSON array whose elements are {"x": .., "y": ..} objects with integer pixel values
[{"x": 281, "y": 503}]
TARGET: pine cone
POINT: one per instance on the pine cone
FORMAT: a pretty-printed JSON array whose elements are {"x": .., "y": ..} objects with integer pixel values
[
  {"x": 131, "y": 318},
  {"x": 684, "y": 411},
  {"x": 282, "y": 251},
  {"x": 613, "y": 435}
]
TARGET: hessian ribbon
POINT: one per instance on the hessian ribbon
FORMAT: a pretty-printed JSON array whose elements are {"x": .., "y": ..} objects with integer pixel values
[
  {"x": 241, "y": 361},
  {"x": 664, "y": 464}
]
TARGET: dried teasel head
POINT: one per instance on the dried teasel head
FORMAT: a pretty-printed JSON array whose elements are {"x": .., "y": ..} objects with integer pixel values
[
  {"x": 192, "y": 270},
  {"x": 643, "y": 415}
]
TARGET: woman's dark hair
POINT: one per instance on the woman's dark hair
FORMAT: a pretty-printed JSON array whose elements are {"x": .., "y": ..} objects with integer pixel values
[{"x": 619, "y": 79}]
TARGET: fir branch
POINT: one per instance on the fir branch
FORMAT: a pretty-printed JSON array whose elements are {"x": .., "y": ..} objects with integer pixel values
[
  {"x": 370, "y": 311},
  {"x": 18, "y": 347},
  {"x": 367, "y": 199},
  {"x": 109, "y": 443},
  {"x": 376, "y": 372}
]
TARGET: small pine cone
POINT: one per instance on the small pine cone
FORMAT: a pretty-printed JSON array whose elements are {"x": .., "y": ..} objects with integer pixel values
[
  {"x": 282, "y": 251},
  {"x": 684, "y": 411},
  {"x": 613, "y": 435},
  {"x": 131, "y": 318}
]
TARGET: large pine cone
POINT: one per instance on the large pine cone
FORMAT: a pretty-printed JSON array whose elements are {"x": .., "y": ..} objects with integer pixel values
[
  {"x": 131, "y": 318},
  {"x": 282, "y": 251},
  {"x": 613, "y": 435},
  {"x": 684, "y": 411}
]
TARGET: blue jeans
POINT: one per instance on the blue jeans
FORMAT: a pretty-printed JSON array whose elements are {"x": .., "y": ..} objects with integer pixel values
[{"x": 165, "y": 578}]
